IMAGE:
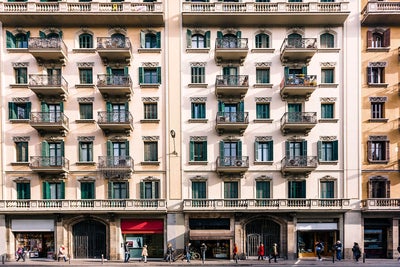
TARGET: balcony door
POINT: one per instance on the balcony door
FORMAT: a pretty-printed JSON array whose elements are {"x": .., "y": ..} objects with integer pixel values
[
  {"x": 230, "y": 153},
  {"x": 231, "y": 112},
  {"x": 117, "y": 153},
  {"x": 230, "y": 75},
  {"x": 229, "y": 40},
  {"x": 118, "y": 40},
  {"x": 52, "y": 153},
  {"x": 295, "y": 40},
  {"x": 54, "y": 76},
  {"x": 117, "y": 111},
  {"x": 51, "y": 112},
  {"x": 296, "y": 152},
  {"x": 117, "y": 76},
  {"x": 294, "y": 112}
]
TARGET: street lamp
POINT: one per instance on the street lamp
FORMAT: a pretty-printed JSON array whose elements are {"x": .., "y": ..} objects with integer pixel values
[{"x": 173, "y": 134}]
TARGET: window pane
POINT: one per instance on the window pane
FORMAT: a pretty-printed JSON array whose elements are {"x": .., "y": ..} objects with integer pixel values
[
  {"x": 231, "y": 190},
  {"x": 198, "y": 75},
  {"x": 327, "y": 111},
  {"x": 150, "y": 76},
  {"x": 327, "y": 189},
  {"x": 327, "y": 151},
  {"x": 86, "y": 76},
  {"x": 85, "y": 151},
  {"x": 198, "y": 110},
  {"x": 198, "y": 190},
  {"x": 327, "y": 40},
  {"x": 297, "y": 189},
  {"x": 86, "y": 111},
  {"x": 262, "y": 110},
  {"x": 327, "y": 75},
  {"x": 198, "y": 41},
  {"x": 22, "y": 151},
  {"x": 150, "y": 151},
  {"x": 262, "y": 40},
  {"x": 150, "y": 40},
  {"x": 150, "y": 111},
  {"x": 21, "y": 75},
  {"x": 264, "y": 151},
  {"x": 262, "y": 75},
  {"x": 120, "y": 190},
  {"x": 85, "y": 41},
  {"x": 23, "y": 190},
  {"x": 377, "y": 110},
  {"x": 199, "y": 151},
  {"x": 262, "y": 189},
  {"x": 87, "y": 190}
]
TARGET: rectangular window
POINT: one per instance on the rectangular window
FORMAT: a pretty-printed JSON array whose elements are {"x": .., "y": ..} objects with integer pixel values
[
  {"x": 86, "y": 76},
  {"x": 327, "y": 111},
  {"x": 376, "y": 75},
  {"x": 378, "y": 110},
  {"x": 87, "y": 190},
  {"x": 198, "y": 110},
  {"x": 297, "y": 189},
  {"x": 198, "y": 150},
  {"x": 262, "y": 110},
  {"x": 150, "y": 151},
  {"x": 86, "y": 111},
  {"x": 149, "y": 75},
  {"x": 262, "y": 76},
  {"x": 328, "y": 150},
  {"x": 53, "y": 190},
  {"x": 199, "y": 190},
  {"x": 118, "y": 190},
  {"x": 198, "y": 75},
  {"x": 22, "y": 151},
  {"x": 21, "y": 75},
  {"x": 264, "y": 151},
  {"x": 150, "y": 190},
  {"x": 150, "y": 111},
  {"x": 23, "y": 190},
  {"x": 85, "y": 151},
  {"x": 231, "y": 190},
  {"x": 19, "y": 111},
  {"x": 327, "y": 76},
  {"x": 378, "y": 151},
  {"x": 327, "y": 189},
  {"x": 378, "y": 188},
  {"x": 263, "y": 189}
]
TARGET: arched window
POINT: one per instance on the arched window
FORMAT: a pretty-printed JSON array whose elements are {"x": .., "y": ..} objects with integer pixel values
[
  {"x": 327, "y": 40},
  {"x": 118, "y": 40},
  {"x": 85, "y": 40},
  {"x": 377, "y": 39},
  {"x": 378, "y": 187},
  {"x": 262, "y": 40},
  {"x": 21, "y": 40},
  {"x": 198, "y": 41},
  {"x": 150, "y": 40},
  {"x": 295, "y": 40},
  {"x": 53, "y": 35}
]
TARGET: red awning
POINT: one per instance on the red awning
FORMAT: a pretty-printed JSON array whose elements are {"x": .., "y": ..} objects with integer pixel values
[{"x": 141, "y": 226}]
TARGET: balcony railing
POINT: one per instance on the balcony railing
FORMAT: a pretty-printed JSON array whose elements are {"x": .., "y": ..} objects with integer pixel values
[
  {"x": 61, "y": 205},
  {"x": 231, "y": 43},
  {"x": 86, "y": 13},
  {"x": 301, "y": 122},
  {"x": 47, "y": 49},
  {"x": 299, "y": 164},
  {"x": 114, "y": 117},
  {"x": 113, "y": 85},
  {"x": 252, "y": 14},
  {"x": 266, "y": 204},
  {"x": 231, "y": 85},
  {"x": 381, "y": 13},
  {"x": 114, "y": 49},
  {"x": 381, "y": 204},
  {"x": 49, "y": 122},
  {"x": 298, "y": 49},
  {"x": 232, "y": 165},
  {"x": 42, "y": 84},
  {"x": 50, "y": 164},
  {"x": 235, "y": 122},
  {"x": 298, "y": 85},
  {"x": 231, "y": 49},
  {"x": 115, "y": 162}
]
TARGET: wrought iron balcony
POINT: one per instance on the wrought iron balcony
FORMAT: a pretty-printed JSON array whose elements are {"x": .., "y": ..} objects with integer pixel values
[
  {"x": 114, "y": 85},
  {"x": 298, "y": 165},
  {"x": 114, "y": 49},
  {"x": 377, "y": 13},
  {"x": 298, "y": 49},
  {"x": 380, "y": 204},
  {"x": 231, "y": 85},
  {"x": 298, "y": 122},
  {"x": 49, "y": 122},
  {"x": 232, "y": 165},
  {"x": 49, "y": 164},
  {"x": 231, "y": 49},
  {"x": 45, "y": 85},
  {"x": 84, "y": 205},
  {"x": 91, "y": 14},
  {"x": 298, "y": 85},
  {"x": 255, "y": 14},
  {"x": 116, "y": 166},
  {"x": 266, "y": 204},
  {"x": 232, "y": 122},
  {"x": 115, "y": 121},
  {"x": 48, "y": 49}
]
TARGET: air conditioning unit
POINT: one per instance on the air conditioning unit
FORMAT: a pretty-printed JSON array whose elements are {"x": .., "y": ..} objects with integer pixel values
[{"x": 239, "y": 163}]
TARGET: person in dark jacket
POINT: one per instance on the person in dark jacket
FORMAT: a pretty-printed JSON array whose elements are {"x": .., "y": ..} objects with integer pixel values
[
  {"x": 338, "y": 248},
  {"x": 356, "y": 251}
]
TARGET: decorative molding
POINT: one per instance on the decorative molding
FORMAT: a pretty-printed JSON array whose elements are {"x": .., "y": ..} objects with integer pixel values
[
  {"x": 86, "y": 138},
  {"x": 263, "y": 64},
  {"x": 378, "y": 99},
  {"x": 328, "y": 138},
  {"x": 20, "y": 64},
  {"x": 85, "y": 99},
  {"x": 53, "y": 139},
  {"x": 263, "y": 99},
  {"x": 328, "y": 99},
  {"x": 263, "y": 178},
  {"x": 263, "y": 138},
  {"x": 85, "y": 64},
  {"x": 377, "y": 138},
  {"x": 199, "y": 178},
  {"x": 327, "y": 64},
  {"x": 198, "y": 138},
  {"x": 150, "y": 138},
  {"x": 86, "y": 179},
  {"x": 118, "y": 138},
  {"x": 151, "y": 178},
  {"x": 21, "y": 179},
  {"x": 150, "y": 99},
  {"x": 20, "y": 99},
  {"x": 198, "y": 99},
  {"x": 198, "y": 64},
  {"x": 150, "y": 64},
  {"x": 229, "y": 31},
  {"x": 379, "y": 177},
  {"x": 328, "y": 178},
  {"x": 21, "y": 138},
  {"x": 377, "y": 64}
]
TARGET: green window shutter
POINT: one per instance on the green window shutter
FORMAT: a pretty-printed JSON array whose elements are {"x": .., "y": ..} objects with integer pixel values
[
  {"x": 42, "y": 34},
  {"x": 28, "y": 110},
  {"x": 62, "y": 148},
  {"x": 221, "y": 150},
  {"x": 126, "y": 106},
  {"x": 207, "y": 37},
  {"x": 154, "y": 190},
  {"x": 62, "y": 190},
  {"x": 45, "y": 149},
  {"x": 12, "y": 112},
  {"x": 204, "y": 156},
  {"x": 286, "y": 71},
  {"x": 238, "y": 34},
  {"x": 191, "y": 151},
  {"x": 141, "y": 75},
  {"x": 239, "y": 149},
  {"x": 142, "y": 39},
  {"x": 189, "y": 38},
  {"x": 241, "y": 106},
  {"x": 127, "y": 189},
  {"x": 109, "y": 107},
  {"x": 271, "y": 150},
  {"x": 109, "y": 145},
  {"x": 127, "y": 147},
  {"x": 142, "y": 190},
  {"x": 61, "y": 106},
  {"x": 45, "y": 107},
  {"x": 158, "y": 39},
  {"x": 304, "y": 70},
  {"x": 110, "y": 190},
  {"x": 304, "y": 147},
  {"x": 256, "y": 143},
  {"x": 126, "y": 70},
  {"x": 158, "y": 69},
  {"x": 335, "y": 150},
  {"x": 108, "y": 71},
  {"x": 10, "y": 40},
  {"x": 319, "y": 149},
  {"x": 28, "y": 34},
  {"x": 303, "y": 189},
  {"x": 60, "y": 34},
  {"x": 219, "y": 34},
  {"x": 287, "y": 149},
  {"x": 221, "y": 106},
  {"x": 46, "y": 190}
]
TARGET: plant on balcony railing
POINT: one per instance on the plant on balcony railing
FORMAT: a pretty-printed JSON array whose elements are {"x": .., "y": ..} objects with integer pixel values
[
  {"x": 46, "y": 43},
  {"x": 232, "y": 117},
  {"x": 232, "y": 80},
  {"x": 231, "y": 42},
  {"x": 57, "y": 118},
  {"x": 299, "y": 43},
  {"x": 43, "y": 80},
  {"x": 112, "y": 117},
  {"x": 233, "y": 161},
  {"x": 300, "y": 80},
  {"x": 48, "y": 161},
  {"x": 299, "y": 162},
  {"x": 299, "y": 118},
  {"x": 113, "y": 80},
  {"x": 113, "y": 43},
  {"x": 118, "y": 162}
]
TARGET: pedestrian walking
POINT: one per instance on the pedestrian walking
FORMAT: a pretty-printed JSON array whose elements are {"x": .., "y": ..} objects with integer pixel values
[
  {"x": 235, "y": 251},
  {"x": 144, "y": 253},
  {"x": 186, "y": 251},
  {"x": 338, "y": 248},
  {"x": 203, "y": 249},
  {"x": 261, "y": 251},
  {"x": 356, "y": 251},
  {"x": 170, "y": 250},
  {"x": 319, "y": 247},
  {"x": 398, "y": 250},
  {"x": 126, "y": 250},
  {"x": 20, "y": 253},
  {"x": 61, "y": 253},
  {"x": 273, "y": 253}
]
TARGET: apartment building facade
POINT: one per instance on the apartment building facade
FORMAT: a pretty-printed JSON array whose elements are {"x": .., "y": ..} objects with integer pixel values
[{"x": 380, "y": 137}]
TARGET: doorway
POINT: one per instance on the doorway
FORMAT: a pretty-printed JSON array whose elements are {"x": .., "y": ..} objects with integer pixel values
[{"x": 89, "y": 240}]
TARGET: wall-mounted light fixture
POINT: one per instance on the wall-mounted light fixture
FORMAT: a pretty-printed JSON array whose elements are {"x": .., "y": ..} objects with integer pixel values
[{"x": 173, "y": 134}]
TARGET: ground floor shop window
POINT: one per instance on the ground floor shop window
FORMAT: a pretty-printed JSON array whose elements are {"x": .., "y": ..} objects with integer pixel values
[
  {"x": 307, "y": 240},
  {"x": 37, "y": 245},
  {"x": 154, "y": 242},
  {"x": 216, "y": 249}
]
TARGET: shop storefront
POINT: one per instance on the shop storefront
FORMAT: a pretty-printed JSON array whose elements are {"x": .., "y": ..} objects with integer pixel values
[
  {"x": 375, "y": 237},
  {"x": 140, "y": 232},
  {"x": 36, "y": 236}
]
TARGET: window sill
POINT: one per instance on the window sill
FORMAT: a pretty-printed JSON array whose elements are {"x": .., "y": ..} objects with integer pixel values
[
  {"x": 198, "y": 162},
  {"x": 149, "y": 50},
  {"x": 148, "y": 163},
  {"x": 198, "y": 120},
  {"x": 17, "y": 50},
  {"x": 378, "y": 161},
  {"x": 85, "y": 163},
  {"x": 197, "y": 50},
  {"x": 383, "y": 85},
  {"x": 150, "y": 121},
  {"x": 84, "y": 50},
  {"x": 263, "y": 50},
  {"x": 328, "y": 120},
  {"x": 19, "y": 163},
  {"x": 149, "y": 85},
  {"x": 328, "y": 50},
  {"x": 263, "y": 85},
  {"x": 197, "y": 85},
  {"x": 263, "y": 120},
  {"x": 327, "y": 162},
  {"x": 383, "y": 120},
  {"x": 263, "y": 162},
  {"x": 19, "y": 120},
  {"x": 19, "y": 85},
  {"x": 328, "y": 85},
  {"x": 378, "y": 49},
  {"x": 85, "y": 121},
  {"x": 89, "y": 85}
]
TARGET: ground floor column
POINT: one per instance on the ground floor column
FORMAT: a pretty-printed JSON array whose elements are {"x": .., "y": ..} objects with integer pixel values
[{"x": 353, "y": 232}]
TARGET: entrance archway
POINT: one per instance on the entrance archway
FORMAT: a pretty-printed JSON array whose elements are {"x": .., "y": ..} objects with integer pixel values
[
  {"x": 261, "y": 230},
  {"x": 89, "y": 240}
]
